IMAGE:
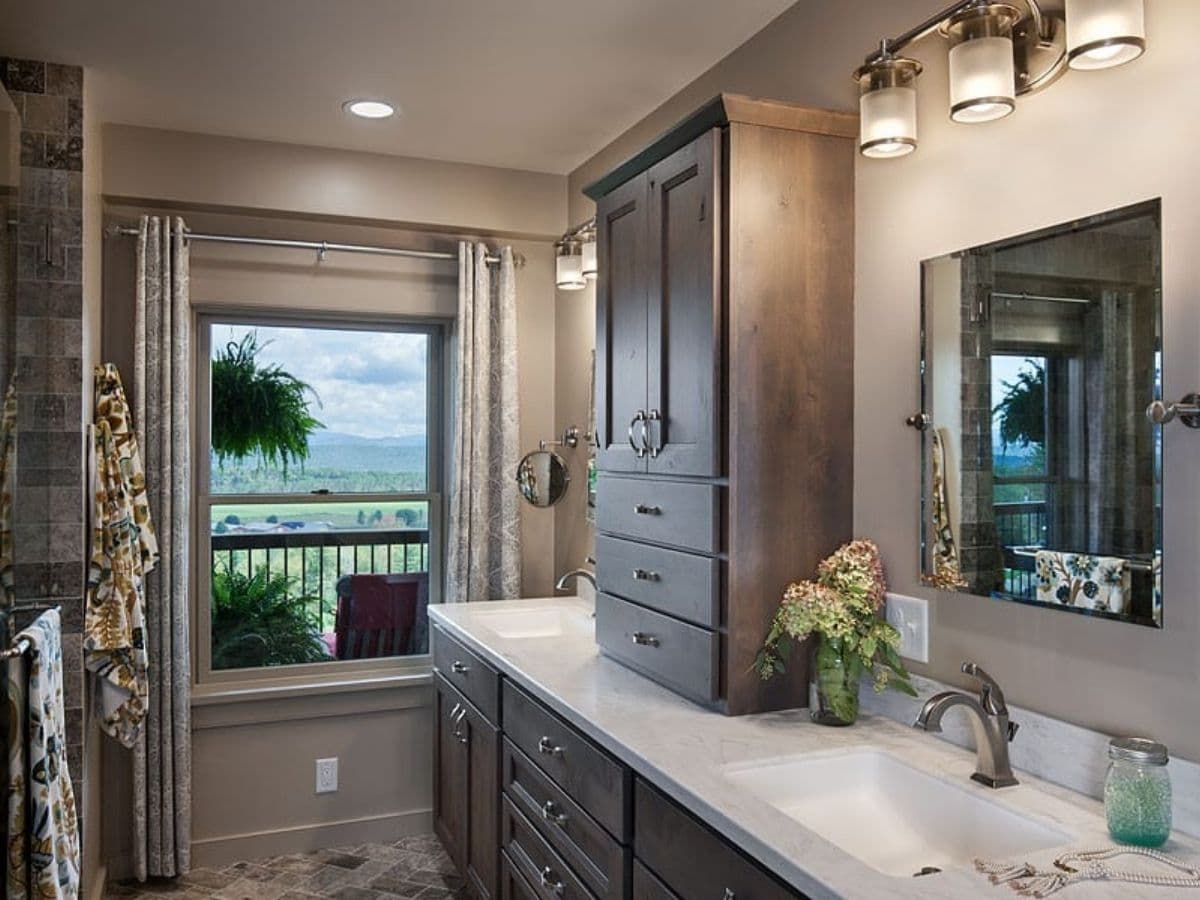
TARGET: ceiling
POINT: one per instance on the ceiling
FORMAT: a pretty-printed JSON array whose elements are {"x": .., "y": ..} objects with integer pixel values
[{"x": 527, "y": 84}]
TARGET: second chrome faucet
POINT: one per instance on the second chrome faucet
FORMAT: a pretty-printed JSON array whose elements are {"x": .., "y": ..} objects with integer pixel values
[{"x": 989, "y": 722}]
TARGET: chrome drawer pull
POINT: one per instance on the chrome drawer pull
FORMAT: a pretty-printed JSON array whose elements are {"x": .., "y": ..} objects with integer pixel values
[
  {"x": 643, "y": 510},
  {"x": 645, "y": 640},
  {"x": 551, "y": 814},
  {"x": 462, "y": 738},
  {"x": 548, "y": 747},
  {"x": 728, "y": 895},
  {"x": 454, "y": 712},
  {"x": 549, "y": 881},
  {"x": 654, "y": 416},
  {"x": 459, "y": 668},
  {"x": 643, "y": 575},
  {"x": 639, "y": 449}
]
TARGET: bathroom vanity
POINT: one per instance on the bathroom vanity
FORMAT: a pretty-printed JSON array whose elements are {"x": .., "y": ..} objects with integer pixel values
[{"x": 564, "y": 774}]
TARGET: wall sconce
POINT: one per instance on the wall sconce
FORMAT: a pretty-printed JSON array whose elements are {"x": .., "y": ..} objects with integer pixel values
[
  {"x": 568, "y": 265},
  {"x": 1105, "y": 33},
  {"x": 887, "y": 105},
  {"x": 588, "y": 242},
  {"x": 998, "y": 52}
]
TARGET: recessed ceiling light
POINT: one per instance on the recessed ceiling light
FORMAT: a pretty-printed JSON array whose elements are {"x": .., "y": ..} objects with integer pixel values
[{"x": 369, "y": 109}]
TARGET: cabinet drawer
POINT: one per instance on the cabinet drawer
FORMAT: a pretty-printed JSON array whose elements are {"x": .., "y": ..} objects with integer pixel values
[
  {"x": 591, "y": 852},
  {"x": 464, "y": 669},
  {"x": 646, "y": 885},
  {"x": 536, "y": 861},
  {"x": 693, "y": 861},
  {"x": 678, "y": 513},
  {"x": 513, "y": 885},
  {"x": 681, "y": 656},
  {"x": 588, "y": 775},
  {"x": 683, "y": 585}
]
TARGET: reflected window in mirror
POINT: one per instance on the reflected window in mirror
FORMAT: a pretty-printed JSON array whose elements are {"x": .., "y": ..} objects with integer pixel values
[{"x": 1042, "y": 473}]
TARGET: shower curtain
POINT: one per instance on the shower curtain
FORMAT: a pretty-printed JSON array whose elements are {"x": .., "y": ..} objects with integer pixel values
[
  {"x": 484, "y": 541},
  {"x": 162, "y": 759}
]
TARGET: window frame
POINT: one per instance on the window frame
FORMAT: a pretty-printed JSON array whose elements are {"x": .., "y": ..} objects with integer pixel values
[{"x": 204, "y": 317}]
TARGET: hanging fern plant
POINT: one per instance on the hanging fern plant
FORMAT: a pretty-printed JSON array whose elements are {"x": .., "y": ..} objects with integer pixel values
[{"x": 258, "y": 411}]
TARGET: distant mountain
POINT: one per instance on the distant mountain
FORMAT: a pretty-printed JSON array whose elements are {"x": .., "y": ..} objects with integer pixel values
[{"x": 342, "y": 439}]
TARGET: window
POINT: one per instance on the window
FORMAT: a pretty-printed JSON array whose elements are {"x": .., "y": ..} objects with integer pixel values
[{"x": 319, "y": 492}]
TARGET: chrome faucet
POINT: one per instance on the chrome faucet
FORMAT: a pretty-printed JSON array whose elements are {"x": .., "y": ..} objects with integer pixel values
[
  {"x": 989, "y": 721},
  {"x": 586, "y": 575}
]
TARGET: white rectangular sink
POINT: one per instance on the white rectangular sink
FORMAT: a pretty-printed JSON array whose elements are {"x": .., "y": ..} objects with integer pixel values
[
  {"x": 535, "y": 623},
  {"x": 896, "y": 819}
]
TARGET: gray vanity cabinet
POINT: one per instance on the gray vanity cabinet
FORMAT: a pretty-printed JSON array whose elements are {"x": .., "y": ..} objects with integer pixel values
[{"x": 724, "y": 390}]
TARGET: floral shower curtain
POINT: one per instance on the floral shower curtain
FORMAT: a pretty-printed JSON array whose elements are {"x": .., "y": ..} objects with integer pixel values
[
  {"x": 484, "y": 542},
  {"x": 162, "y": 759}
]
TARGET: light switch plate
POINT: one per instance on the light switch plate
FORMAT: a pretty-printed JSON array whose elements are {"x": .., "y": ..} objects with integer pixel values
[
  {"x": 327, "y": 775},
  {"x": 910, "y": 617}
]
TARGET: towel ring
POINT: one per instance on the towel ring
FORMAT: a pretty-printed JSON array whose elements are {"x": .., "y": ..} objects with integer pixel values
[{"x": 1186, "y": 410}]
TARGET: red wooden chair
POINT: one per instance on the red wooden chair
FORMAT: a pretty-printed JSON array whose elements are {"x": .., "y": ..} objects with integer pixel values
[{"x": 382, "y": 615}]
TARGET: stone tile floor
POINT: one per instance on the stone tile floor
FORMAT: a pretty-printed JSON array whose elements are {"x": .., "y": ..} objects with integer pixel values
[{"x": 415, "y": 868}]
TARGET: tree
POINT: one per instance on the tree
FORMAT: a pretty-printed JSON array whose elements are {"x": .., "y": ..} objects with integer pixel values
[
  {"x": 1022, "y": 410},
  {"x": 258, "y": 410}
]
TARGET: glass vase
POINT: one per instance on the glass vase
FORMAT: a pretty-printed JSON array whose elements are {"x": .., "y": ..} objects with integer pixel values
[{"x": 833, "y": 694}]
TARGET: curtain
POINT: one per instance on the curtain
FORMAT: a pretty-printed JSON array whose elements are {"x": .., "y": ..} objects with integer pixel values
[
  {"x": 484, "y": 545},
  {"x": 162, "y": 757}
]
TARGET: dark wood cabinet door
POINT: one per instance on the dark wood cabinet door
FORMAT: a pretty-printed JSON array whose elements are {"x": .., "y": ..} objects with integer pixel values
[
  {"x": 684, "y": 306},
  {"x": 621, "y": 323},
  {"x": 450, "y": 794},
  {"x": 481, "y": 848}
]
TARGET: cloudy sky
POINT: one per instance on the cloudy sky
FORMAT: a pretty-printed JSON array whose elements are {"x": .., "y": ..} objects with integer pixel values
[{"x": 369, "y": 383}]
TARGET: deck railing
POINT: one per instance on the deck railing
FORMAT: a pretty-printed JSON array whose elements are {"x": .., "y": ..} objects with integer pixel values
[
  {"x": 1020, "y": 525},
  {"x": 313, "y": 561}
]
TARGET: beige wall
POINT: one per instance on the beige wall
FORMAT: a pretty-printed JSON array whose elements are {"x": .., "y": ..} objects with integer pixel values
[
  {"x": 254, "y": 759},
  {"x": 1092, "y": 142}
]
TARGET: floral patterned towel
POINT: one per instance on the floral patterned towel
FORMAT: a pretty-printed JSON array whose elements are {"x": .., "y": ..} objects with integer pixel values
[
  {"x": 43, "y": 852},
  {"x": 1100, "y": 583},
  {"x": 124, "y": 551}
]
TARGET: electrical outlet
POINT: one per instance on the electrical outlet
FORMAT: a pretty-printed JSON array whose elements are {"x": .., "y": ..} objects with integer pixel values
[
  {"x": 327, "y": 776},
  {"x": 910, "y": 617}
]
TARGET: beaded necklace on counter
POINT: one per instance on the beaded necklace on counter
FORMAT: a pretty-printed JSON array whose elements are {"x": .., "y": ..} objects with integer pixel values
[{"x": 1027, "y": 881}]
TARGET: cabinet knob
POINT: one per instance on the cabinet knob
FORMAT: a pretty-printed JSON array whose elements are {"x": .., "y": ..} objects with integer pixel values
[
  {"x": 551, "y": 814},
  {"x": 547, "y": 747},
  {"x": 643, "y": 575},
  {"x": 644, "y": 640},
  {"x": 728, "y": 895},
  {"x": 643, "y": 510},
  {"x": 550, "y": 881}
]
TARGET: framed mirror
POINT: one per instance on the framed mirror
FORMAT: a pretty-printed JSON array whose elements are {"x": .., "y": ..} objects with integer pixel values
[{"x": 1042, "y": 472}]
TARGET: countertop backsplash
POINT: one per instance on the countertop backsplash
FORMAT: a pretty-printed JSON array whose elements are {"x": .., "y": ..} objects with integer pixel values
[{"x": 1049, "y": 748}]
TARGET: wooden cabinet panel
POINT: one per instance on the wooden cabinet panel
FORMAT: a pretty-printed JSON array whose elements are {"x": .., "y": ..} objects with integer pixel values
[
  {"x": 464, "y": 669},
  {"x": 677, "y": 513},
  {"x": 684, "y": 585},
  {"x": 533, "y": 858},
  {"x": 684, "y": 307},
  {"x": 621, "y": 322},
  {"x": 513, "y": 885},
  {"x": 693, "y": 861},
  {"x": 591, "y": 852},
  {"x": 467, "y": 787},
  {"x": 591, "y": 777},
  {"x": 681, "y": 656},
  {"x": 646, "y": 885}
]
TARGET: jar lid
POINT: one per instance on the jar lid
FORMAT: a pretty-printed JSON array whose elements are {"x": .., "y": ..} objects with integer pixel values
[{"x": 1138, "y": 750}]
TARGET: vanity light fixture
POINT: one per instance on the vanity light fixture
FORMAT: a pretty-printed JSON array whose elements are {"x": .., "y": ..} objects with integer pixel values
[
  {"x": 999, "y": 51},
  {"x": 568, "y": 265},
  {"x": 587, "y": 239},
  {"x": 887, "y": 105},
  {"x": 1105, "y": 33},
  {"x": 369, "y": 109}
]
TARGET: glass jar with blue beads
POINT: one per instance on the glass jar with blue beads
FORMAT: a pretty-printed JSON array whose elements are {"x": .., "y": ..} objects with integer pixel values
[{"x": 1137, "y": 792}]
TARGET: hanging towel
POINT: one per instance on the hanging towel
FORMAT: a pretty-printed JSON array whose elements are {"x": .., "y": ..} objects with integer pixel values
[
  {"x": 124, "y": 551},
  {"x": 947, "y": 574},
  {"x": 1099, "y": 583},
  {"x": 44, "y": 847}
]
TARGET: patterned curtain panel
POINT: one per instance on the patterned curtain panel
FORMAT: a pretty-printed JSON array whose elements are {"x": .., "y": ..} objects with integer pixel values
[
  {"x": 484, "y": 542},
  {"x": 162, "y": 758}
]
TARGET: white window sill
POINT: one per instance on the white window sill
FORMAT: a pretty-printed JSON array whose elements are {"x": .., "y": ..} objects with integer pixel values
[{"x": 309, "y": 686}]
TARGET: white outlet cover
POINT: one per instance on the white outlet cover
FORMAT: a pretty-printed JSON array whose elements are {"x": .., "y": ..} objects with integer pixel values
[
  {"x": 910, "y": 617},
  {"x": 327, "y": 775}
]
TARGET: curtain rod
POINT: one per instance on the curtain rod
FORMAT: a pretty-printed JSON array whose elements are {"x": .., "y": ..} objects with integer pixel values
[{"x": 319, "y": 247}]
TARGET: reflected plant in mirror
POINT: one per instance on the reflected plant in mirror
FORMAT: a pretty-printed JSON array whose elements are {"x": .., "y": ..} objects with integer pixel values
[{"x": 1042, "y": 474}]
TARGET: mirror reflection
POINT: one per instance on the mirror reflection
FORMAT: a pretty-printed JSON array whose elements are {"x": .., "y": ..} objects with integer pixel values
[
  {"x": 1042, "y": 472},
  {"x": 542, "y": 477}
]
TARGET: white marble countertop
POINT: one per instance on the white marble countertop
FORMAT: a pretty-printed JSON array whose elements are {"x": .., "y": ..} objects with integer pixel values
[{"x": 682, "y": 749}]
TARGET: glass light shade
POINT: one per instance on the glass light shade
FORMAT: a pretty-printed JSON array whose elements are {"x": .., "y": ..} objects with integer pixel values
[
  {"x": 1105, "y": 33},
  {"x": 982, "y": 80},
  {"x": 888, "y": 107},
  {"x": 589, "y": 257},
  {"x": 568, "y": 266}
]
